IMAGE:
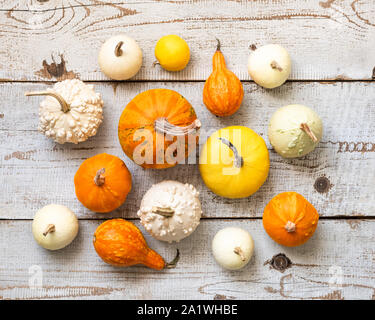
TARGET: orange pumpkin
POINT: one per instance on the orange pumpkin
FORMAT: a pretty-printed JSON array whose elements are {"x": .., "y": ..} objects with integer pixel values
[
  {"x": 289, "y": 219},
  {"x": 102, "y": 183},
  {"x": 120, "y": 243},
  {"x": 158, "y": 128},
  {"x": 223, "y": 91}
]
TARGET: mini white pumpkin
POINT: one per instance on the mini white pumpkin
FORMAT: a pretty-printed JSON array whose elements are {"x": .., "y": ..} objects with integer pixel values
[
  {"x": 232, "y": 248},
  {"x": 120, "y": 57},
  {"x": 54, "y": 227},
  {"x": 269, "y": 66},
  {"x": 170, "y": 210},
  {"x": 71, "y": 112},
  {"x": 295, "y": 130}
]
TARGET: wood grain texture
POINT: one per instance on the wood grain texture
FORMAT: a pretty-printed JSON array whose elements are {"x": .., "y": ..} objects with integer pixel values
[
  {"x": 320, "y": 269},
  {"x": 53, "y": 40},
  {"x": 338, "y": 177}
]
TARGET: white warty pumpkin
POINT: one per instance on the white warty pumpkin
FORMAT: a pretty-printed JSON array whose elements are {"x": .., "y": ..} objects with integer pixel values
[
  {"x": 170, "y": 210},
  {"x": 71, "y": 112}
]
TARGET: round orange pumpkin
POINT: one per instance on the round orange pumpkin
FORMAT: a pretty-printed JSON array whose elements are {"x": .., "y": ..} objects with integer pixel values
[
  {"x": 158, "y": 128},
  {"x": 120, "y": 243},
  {"x": 289, "y": 219},
  {"x": 102, "y": 183},
  {"x": 223, "y": 91}
]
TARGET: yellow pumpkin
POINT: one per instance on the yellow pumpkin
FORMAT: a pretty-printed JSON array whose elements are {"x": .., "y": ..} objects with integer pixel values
[{"x": 234, "y": 162}]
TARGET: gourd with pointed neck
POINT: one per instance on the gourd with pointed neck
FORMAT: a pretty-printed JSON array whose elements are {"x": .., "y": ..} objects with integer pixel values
[
  {"x": 223, "y": 91},
  {"x": 120, "y": 243}
]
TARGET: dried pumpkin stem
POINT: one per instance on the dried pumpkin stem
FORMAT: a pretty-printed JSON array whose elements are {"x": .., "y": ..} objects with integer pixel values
[
  {"x": 307, "y": 130},
  {"x": 118, "y": 51},
  {"x": 50, "y": 228},
  {"x": 218, "y": 46},
  {"x": 64, "y": 105},
  {"x": 99, "y": 177},
  {"x": 238, "y": 160},
  {"x": 165, "y": 212},
  {"x": 275, "y": 65},
  {"x": 174, "y": 262},
  {"x": 290, "y": 226},
  {"x": 162, "y": 125},
  {"x": 238, "y": 250}
]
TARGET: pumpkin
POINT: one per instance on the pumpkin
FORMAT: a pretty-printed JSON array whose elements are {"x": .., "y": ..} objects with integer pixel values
[
  {"x": 55, "y": 227},
  {"x": 120, "y": 57},
  {"x": 232, "y": 248},
  {"x": 71, "y": 112},
  {"x": 120, "y": 243},
  {"x": 295, "y": 130},
  {"x": 102, "y": 183},
  {"x": 289, "y": 219},
  {"x": 170, "y": 210},
  {"x": 234, "y": 162},
  {"x": 158, "y": 129},
  {"x": 223, "y": 91}
]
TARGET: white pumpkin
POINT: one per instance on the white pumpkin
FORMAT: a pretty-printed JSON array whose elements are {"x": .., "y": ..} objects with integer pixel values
[
  {"x": 170, "y": 210},
  {"x": 54, "y": 227},
  {"x": 269, "y": 66},
  {"x": 71, "y": 112},
  {"x": 295, "y": 130},
  {"x": 232, "y": 248},
  {"x": 120, "y": 57}
]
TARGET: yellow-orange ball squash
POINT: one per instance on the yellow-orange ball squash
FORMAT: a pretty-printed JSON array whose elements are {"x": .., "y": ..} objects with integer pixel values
[
  {"x": 158, "y": 128},
  {"x": 102, "y": 183},
  {"x": 289, "y": 219},
  {"x": 223, "y": 91},
  {"x": 234, "y": 162}
]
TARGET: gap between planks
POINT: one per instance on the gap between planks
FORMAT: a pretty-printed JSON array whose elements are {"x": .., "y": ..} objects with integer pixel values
[{"x": 336, "y": 218}]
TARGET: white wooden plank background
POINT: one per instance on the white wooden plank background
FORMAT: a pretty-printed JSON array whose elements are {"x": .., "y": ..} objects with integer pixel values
[
  {"x": 346, "y": 155},
  {"x": 328, "y": 40},
  {"x": 342, "y": 251}
]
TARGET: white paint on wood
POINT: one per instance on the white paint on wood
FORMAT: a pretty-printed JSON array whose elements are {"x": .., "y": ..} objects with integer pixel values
[
  {"x": 336, "y": 263},
  {"x": 327, "y": 40},
  {"x": 35, "y": 171}
]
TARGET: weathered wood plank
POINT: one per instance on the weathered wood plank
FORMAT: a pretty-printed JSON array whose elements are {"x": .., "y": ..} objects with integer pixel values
[
  {"x": 337, "y": 263},
  {"x": 338, "y": 177},
  {"x": 60, "y": 39}
]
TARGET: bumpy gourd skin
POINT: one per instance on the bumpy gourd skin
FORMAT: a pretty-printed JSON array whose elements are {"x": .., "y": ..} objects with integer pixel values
[
  {"x": 217, "y": 163},
  {"x": 292, "y": 208},
  {"x": 223, "y": 91},
  {"x": 120, "y": 243},
  {"x": 80, "y": 122}
]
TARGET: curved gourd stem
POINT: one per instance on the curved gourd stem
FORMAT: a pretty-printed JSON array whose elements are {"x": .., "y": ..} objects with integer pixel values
[
  {"x": 304, "y": 127},
  {"x": 162, "y": 125},
  {"x": 50, "y": 228},
  {"x": 218, "y": 47},
  {"x": 275, "y": 65},
  {"x": 99, "y": 177},
  {"x": 165, "y": 212},
  {"x": 238, "y": 160},
  {"x": 290, "y": 226},
  {"x": 238, "y": 250},
  {"x": 64, "y": 105},
  {"x": 174, "y": 262},
  {"x": 118, "y": 51}
]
